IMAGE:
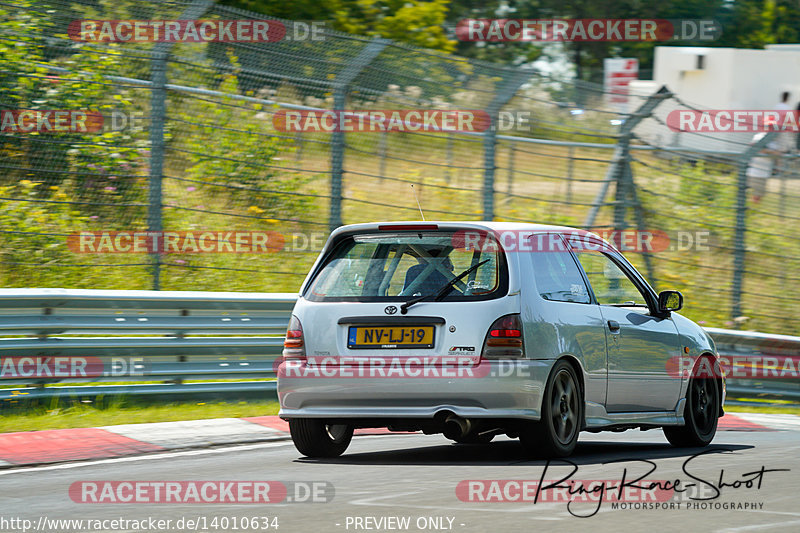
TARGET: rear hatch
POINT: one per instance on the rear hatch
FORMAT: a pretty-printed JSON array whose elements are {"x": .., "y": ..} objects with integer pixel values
[{"x": 403, "y": 295}]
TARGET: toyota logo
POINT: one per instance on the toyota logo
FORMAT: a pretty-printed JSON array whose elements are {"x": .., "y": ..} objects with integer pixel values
[{"x": 390, "y": 310}]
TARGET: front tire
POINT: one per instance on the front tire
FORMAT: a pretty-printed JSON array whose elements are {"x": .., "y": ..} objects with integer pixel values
[
  {"x": 556, "y": 434},
  {"x": 701, "y": 415},
  {"x": 314, "y": 437}
]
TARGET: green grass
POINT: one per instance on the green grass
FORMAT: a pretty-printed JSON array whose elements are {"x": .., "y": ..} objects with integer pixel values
[
  {"x": 83, "y": 416},
  {"x": 763, "y": 409}
]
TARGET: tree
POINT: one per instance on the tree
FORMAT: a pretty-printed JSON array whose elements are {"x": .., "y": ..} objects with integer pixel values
[{"x": 416, "y": 22}]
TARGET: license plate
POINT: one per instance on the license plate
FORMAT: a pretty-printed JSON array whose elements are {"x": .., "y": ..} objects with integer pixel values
[{"x": 390, "y": 337}]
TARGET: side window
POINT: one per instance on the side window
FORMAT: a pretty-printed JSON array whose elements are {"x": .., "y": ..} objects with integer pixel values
[
  {"x": 611, "y": 285},
  {"x": 558, "y": 277}
]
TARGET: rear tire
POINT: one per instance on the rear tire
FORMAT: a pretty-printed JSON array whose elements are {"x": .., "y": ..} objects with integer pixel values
[
  {"x": 700, "y": 415},
  {"x": 314, "y": 437},
  {"x": 556, "y": 434}
]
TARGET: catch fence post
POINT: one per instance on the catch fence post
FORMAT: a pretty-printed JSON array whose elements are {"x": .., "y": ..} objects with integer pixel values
[
  {"x": 340, "y": 87},
  {"x": 158, "y": 113},
  {"x": 502, "y": 96}
]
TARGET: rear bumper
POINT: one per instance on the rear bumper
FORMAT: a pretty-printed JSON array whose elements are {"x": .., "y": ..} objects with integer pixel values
[{"x": 497, "y": 389}]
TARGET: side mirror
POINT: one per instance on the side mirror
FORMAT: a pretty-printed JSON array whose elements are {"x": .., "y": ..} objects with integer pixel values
[{"x": 670, "y": 301}]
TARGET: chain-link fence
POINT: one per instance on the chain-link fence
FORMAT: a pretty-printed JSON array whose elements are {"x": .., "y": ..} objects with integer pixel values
[{"x": 193, "y": 139}]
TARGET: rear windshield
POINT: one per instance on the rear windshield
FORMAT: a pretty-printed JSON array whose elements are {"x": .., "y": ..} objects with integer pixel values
[{"x": 399, "y": 266}]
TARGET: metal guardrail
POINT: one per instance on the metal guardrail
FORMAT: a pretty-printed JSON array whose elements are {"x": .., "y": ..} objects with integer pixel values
[
  {"x": 144, "y": 336},
  {"x": 777, "y": 358},
  {"x": 172, "y": 337}
]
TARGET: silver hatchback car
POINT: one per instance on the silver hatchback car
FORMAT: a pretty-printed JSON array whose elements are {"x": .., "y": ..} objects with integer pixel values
[{"x": 475, "y": 329}]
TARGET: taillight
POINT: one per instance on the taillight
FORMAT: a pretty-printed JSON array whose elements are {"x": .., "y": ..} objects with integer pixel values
[
  {"x": 293, "y": 346},
  {"x": 504, "y": 339}
]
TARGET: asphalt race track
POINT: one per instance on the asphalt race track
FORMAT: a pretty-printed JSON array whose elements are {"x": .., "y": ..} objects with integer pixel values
[{"x": 414, "y": 478}]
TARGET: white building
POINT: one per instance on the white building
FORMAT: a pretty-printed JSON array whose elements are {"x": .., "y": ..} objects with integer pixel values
[{"x": 718, "y": 78}]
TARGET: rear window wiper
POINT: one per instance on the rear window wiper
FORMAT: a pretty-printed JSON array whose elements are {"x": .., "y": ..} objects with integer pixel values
[{"x": 441, "y": 293}]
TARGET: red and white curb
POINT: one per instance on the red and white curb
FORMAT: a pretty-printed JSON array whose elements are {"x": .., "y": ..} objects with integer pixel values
[
  {"x": 61, "y": 445},
  {"x": 196, "y": 433},
  {"x": 773, "y": 422}
]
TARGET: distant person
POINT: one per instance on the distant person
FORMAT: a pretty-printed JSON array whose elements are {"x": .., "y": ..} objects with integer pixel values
[
  {"x": 783, "y": 141},
  {"x": 761, "y": 166},
  {"x": 783, "y": 105},
  {"x": 797, "y": 135}
]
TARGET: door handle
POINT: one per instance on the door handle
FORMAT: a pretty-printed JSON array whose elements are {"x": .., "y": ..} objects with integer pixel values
[{"x": 613, "y": 325}]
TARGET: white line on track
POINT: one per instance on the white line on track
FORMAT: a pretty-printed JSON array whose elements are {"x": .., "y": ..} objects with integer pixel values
[
  {"x": 148, "y": 457},
  {"x": 755, "y": 527},
  {"x": 167, "y": 455},
  {"x": 374, "y": 501}
]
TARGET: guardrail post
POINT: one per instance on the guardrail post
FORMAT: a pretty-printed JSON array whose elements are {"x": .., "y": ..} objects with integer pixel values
[
  {"x": 504, "y": 93},
  {"x": 740, "y": 228},
  {"x": 340, "y": 85},
  {"x": 158, "y": 112}
]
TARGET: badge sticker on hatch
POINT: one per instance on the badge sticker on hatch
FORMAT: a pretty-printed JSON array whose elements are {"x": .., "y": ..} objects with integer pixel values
[{"x": 461, "y": 350}]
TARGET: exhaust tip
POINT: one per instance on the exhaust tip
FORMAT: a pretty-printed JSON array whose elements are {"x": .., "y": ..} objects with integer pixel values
[{"x": 456, "y": 427}]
